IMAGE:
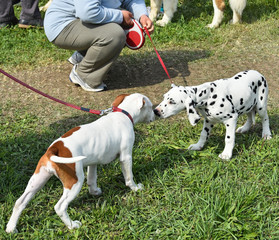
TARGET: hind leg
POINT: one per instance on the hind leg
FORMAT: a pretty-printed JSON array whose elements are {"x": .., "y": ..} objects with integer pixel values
[
  {"x": 155, "y": 8},
  {"x": 250, "y": 121},
  {"x": 266, "y": 133},
  {"x": 69, "y": 194},
  {"x": 170, "y": 7},
  {"x": 36, "y": 182},
  {"x": 237, "y": 7},
  {"x": 219, "y": 6},
  {"x": 92, "y": 180}
]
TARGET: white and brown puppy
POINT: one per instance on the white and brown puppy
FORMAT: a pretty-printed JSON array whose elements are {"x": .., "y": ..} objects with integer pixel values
[
  {"x": 99, "y": 142},
  {"x": 221, "y": 101},
  {"x": 170, "y": 7}
]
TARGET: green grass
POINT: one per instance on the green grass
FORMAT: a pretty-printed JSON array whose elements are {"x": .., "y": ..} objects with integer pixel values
[{"x": 187, "y": 195}]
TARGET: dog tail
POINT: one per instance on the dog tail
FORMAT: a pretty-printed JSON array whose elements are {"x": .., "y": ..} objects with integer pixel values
[{"x": 57, "y": 159}]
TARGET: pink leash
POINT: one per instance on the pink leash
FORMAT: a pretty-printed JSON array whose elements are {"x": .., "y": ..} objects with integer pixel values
[
  {"x": 158, "y": 55},
  {"x": 101, "y": 112},
  {"x": 98, "y": 112}
]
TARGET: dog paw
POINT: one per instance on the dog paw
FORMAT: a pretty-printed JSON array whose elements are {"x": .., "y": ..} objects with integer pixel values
[
  {"x": 195, "y": 147},
  {"x": 241, "y": 130},
  {"x": 212, "y": 25},
  {"x": 137, "y": 187},
  {"x": 161, "y": 23},
  {"x": 95, "y": 192},
  {"x": 11, "y": 230},
  {"x": 266, "y": 136},
  {"x": 225, "y": 156},
  {"x": 75, "y": 224}
]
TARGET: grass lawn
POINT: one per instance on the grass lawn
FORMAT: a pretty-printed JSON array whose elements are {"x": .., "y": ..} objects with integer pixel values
[{"x": 187, "y": 194}]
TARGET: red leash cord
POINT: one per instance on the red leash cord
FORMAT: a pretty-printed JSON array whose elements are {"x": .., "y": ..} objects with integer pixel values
[
  {"x": 52, "y": 98},
  {"x": 98, "y": 112},
  {"x": 158, "y": 55}
]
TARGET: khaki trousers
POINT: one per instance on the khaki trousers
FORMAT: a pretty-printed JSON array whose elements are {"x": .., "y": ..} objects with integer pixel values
[{"x": 100, "y": 45}]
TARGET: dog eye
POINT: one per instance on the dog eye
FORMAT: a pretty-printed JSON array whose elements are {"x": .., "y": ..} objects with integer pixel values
[{"x": 171, "y": 101}]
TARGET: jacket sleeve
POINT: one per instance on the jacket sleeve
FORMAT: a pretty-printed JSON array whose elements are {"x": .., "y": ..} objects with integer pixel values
[
  {"x": 137, "y": 7},
  {"x": 94, "y": 12}
]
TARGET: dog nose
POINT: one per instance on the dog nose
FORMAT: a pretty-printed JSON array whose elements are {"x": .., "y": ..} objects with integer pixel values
[{"x": 156, "y": 112}]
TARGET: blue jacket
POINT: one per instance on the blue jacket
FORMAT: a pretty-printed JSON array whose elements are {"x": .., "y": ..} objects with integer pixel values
[{"x": 62, "y": 12}]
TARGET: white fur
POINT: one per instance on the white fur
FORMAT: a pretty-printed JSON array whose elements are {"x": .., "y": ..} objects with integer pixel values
[
  {"x": 170, "y": 7},
  {"x": 221, "y": 101},
  {"x": 99, "y": 142}
]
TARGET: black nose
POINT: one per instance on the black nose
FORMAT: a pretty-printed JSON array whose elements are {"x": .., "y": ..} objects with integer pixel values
[{"x": 156, "y": 112}]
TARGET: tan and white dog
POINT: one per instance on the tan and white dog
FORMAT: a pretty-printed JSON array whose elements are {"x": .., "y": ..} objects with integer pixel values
[
  {"x": 170, "y": 7},
  {"x": 99, "y": 142}
]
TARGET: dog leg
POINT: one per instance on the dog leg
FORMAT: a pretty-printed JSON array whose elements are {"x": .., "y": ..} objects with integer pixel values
[
  {"x": 250, "y": 121},
  {"x": 126, "y": 166},
  {"x": 92, "y": 180},
  {"x": 36, "y": 182},
  {"x": 207, "y": 126},
  {"x": 219, "y": 7},
  {"x": 266, "y": 133},
  {"x": 68, "y": 196},
  {"x": 170, "y": 7},
  {"x": 237, "y": 6},
  {"x": 229, "y": 139},
  {"x": 155, "y": 8}
]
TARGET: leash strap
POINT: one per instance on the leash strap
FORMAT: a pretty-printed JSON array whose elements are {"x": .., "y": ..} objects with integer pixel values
[
  {"x": 158, "y": 55},
  {"x": 98, "y": 112},
  {"x": 116, "y": 109},
  {"x": 101, "y": 112}
]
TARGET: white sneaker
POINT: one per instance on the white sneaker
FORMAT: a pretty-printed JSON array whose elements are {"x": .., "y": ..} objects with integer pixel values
[
  {"x": 75, "y": 58},
  {"x": 74, "y": 78}
]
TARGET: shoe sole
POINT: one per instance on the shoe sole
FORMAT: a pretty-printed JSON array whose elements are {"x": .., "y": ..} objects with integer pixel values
[
  {"x": 28, "y": 26},
  {"x": 88, "y": 90}
]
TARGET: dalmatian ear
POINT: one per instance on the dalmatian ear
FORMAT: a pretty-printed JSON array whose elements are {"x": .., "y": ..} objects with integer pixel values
[{"x": 193, "y": 115}]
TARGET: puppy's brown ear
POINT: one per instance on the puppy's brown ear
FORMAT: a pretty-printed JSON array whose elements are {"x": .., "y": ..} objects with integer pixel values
[{"x": 119, "y": 99}]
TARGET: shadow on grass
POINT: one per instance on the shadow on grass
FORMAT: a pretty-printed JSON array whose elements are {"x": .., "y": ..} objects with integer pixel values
[{"x": 144, "y": 69}]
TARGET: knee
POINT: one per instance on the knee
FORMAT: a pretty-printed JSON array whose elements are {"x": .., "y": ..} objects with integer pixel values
[{"x": 118, "y": 36}]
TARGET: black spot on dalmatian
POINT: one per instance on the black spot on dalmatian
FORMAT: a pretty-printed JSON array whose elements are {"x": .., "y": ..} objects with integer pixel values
[
  {"x": 212, "y": 103},
  {"x": 211, "y": 125},
  {"x": 263, "y": 90},
  {"x": 206, "y": 129},
  {"x": 211, "y": 89},
  {"x": 260, "y": 109},
  {"x": 213, "y": 84},
  {"x": 228, "y": 125},
  {"x": 181, "y": 101},
  {"x": 255, "y": 89},
  {"x": 228, "y": 137},
  {"x": 241, "y": 101},
  {"x": 222, "y": 105},
  {"x": 206, "y": 121},
  {"x": 196, "y": 121},
  {"x": 223, "y": 99},
  {"x": 195, "y": 90},
  {"x": 236, "y": 78},
  {"x": 214, "y": 96},
  {"x": 259, "y": 83},
  {"x": 253, "y": 83},
  {"x": 242, "y": 108},
  {"x": 191, "y": 111},
  {"x": 261, "y": 98}
]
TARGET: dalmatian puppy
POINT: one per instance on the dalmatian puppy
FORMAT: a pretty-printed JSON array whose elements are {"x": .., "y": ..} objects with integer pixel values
[{"x": 221, "y": 101}]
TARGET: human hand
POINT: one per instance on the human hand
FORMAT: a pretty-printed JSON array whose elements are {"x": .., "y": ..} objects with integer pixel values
[
  {"x": 146, "y": 22},
  {"x": 127, "y": 19}
]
